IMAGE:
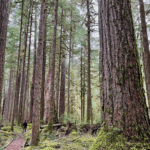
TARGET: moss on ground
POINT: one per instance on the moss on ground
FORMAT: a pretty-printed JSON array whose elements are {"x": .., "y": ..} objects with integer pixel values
[
  {"x": 74, "y": 141},
  {"x": 113, "y": 139}
]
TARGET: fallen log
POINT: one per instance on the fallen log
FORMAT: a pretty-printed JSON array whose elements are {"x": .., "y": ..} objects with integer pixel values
[{"x": 54, "y": 126}]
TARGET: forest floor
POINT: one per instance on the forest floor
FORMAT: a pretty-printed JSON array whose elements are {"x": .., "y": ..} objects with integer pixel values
[
  {"x": 17, "y": 143},
  {"x": 56, "y": 140},
  {"x": 74, "y": 141}
]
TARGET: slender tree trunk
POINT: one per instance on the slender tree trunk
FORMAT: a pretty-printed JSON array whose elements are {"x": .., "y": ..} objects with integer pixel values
[
  {"x": 59, "y": 66},
  {"x": 25, "y": 109},
  {"x": 21, "y": 104},
  {"x": 89, "y": 103},
  {"x": 4, "y": 13},
  {"x": 34, "y": 65},
  {"x": 38, "y": 77},
  {"x": 47, "y": 96},
  {"x": 81, "y": 88},
  {"x": 62, "y": 91},
  {"x": 70, "y": 44},
  {"x": 43, "y": 76},
  {"x": 50, "y": 124},
  {"x": 123, "y": 100},
  {"x": 18, "y": 75},
  {"x": 146, "y": 50}
]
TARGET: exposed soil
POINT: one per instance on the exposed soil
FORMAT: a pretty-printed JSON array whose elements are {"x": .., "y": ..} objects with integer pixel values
[{"x": 17, "y": 143}]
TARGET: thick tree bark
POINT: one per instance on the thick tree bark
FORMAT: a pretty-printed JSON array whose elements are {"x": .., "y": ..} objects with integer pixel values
[
  {"x": 25, "y": 109},
  {"x": 59, "y": 66},
  {"x": 34, "y": 65},
  {"x": 89, "y": 102},
  {"x": 50, "y": 123},
  {"x": 47, "y": 97},
  {"x": 18, "y": 74},
  {"x": 62, "y": 91},
  {"x": 38, "y": 77},
  {"x": 123, "y": 100},
  {"x": 4, "y": 13},
  {"x": 43, "y": 76},
  {"x": 8, "y": 98},
  {"x": 146, "y": 50}
]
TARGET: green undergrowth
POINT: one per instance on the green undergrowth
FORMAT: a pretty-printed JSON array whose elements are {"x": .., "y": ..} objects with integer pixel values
[
  {"x": 6, "y": 135},
  {"x": 75, "y": 141},
  {"x": 114, "y": 140}
]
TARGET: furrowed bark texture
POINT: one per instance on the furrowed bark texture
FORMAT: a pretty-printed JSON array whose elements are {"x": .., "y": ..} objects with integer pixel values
[
  {"x": 8, "y": 98},
  {"x": 43, "y": 75},
  {"x": 59, "y": 66},
  {"x": 52, "y": 93},
  {"x": 123, "y": 100},
  {"x": 47, "y": 97},
  {"x": 146, "y": 50},
  {"x": 38, "y": 77},
  {"x": 89, "y": 101},
  {"x": 62, "y": 91},
  {"x": 4, "y": 13}
]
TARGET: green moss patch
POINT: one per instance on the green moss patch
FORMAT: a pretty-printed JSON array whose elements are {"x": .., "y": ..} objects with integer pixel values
[{"x": 113, "y": 139}]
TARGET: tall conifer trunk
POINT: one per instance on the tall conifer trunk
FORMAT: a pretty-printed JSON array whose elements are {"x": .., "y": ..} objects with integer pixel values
[
  {"x": 59, "y": 66},
  {"x": 89, "y": 102},
  {"x": 34, "y": 65},
  {"x": 70, "y": 44},
  {"x": 50, "y": 123},
  {"x": 62, "y": 91},
  {"x": 146, "y": 50},
  {"x": 18, "y": 74},
  {"x": 123, "y": 100},
  {"x": 4, "y": 13},
  {"x": 38, "y": 77}
]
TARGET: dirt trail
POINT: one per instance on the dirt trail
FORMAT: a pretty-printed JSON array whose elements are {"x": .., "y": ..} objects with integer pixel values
[{"x": 16, "y": 144}]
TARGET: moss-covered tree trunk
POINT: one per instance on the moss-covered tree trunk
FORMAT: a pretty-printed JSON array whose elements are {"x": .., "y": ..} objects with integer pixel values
[{"x": 123, "y": 100}]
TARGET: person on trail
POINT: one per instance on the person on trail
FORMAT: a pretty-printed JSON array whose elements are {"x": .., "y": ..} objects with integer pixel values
[{"x": 24, "y": 126}]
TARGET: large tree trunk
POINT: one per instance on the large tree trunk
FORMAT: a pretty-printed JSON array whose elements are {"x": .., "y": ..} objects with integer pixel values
[
  {"x": 4, "y": 13},
  {"x": 89, "y": 102},
  {"x": 25, "y": 109},
  {"x": 62, "y": 91},
  {"x": 50, "y": 123},
  {"x": 38, "y": 77},
  {"x": 8, "y": 98},
  {"x": 146, "y": 50},
  {"x": 123, "y": 100},
  {"x": 47, "y": 97}
]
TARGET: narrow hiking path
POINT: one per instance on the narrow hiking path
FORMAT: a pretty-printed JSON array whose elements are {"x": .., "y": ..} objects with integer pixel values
[{"x": 17, "y": 143}]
